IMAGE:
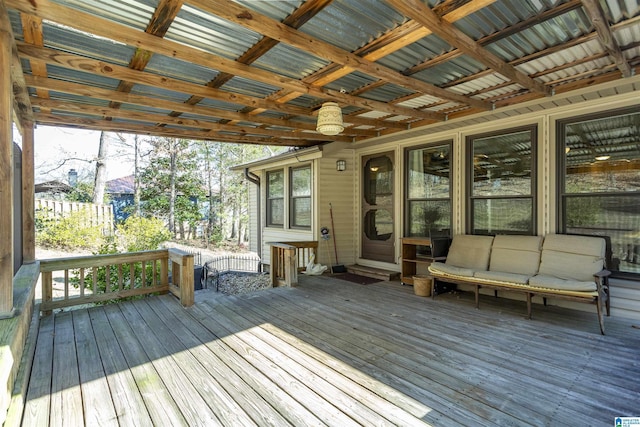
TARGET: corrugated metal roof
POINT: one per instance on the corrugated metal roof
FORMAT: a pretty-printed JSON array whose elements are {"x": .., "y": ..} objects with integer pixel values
[
  {"x": 348, "y": 25},
  {"x": 134, "y": 13}
]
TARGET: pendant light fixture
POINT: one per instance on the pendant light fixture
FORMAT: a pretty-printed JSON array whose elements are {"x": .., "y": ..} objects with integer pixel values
[{"x": 330, "y": 119}]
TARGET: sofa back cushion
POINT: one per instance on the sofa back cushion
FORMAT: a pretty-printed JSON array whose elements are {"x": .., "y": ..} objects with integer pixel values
[
  {"x": 468, "y": 251},
  {"x": 572, "y": 257},
  {"x": 516, "y": 254}
]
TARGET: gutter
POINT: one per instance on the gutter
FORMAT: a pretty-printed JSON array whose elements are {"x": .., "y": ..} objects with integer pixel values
[{"x": 255, "y": 179}]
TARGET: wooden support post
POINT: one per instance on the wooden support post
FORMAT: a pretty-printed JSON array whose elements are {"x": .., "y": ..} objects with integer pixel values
[
  {"x": 186, "y": 281},
  {"x": 273, "y": 274},
  {"x": 6, "y": 170},
  {"x": 47, "y": 290},
  {"x": 290, "y": 266},
  {"x": 28, "y": 195}
]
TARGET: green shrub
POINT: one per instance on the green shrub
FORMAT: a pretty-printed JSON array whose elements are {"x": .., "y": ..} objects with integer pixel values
[
  {"x": 142, "y": 234},
  {"x": 72, "y": 231}
]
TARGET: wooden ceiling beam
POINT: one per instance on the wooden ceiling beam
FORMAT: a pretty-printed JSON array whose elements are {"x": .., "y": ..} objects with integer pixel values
[
  {"x": 128, "y": 98},
  {"x": 500, "y": 35},
  {"x": 401, "y": 36},
  {"x": 105, "y": 112},
  {"x": 159, "y": 24},
  {"x": 132, "y": 76},
  {"x": 22, "y": 110},
  {"x": 115, "y": 126},
  {"x": 91, "y": 24},
  {"x": 417, "y": 10},
  {"x": 605, "y": 35},
  {"x": 267, "y": 26},
  {"x": 32, "y": 33},
  {"x": 123, "y": 34}
]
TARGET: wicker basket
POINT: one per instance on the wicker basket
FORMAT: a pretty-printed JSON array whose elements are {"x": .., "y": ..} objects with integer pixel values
[{"x": 422, "y": 285}]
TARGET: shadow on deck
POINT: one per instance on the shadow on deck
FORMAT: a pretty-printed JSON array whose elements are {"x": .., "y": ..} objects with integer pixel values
[{"x": 331, "y": 352}]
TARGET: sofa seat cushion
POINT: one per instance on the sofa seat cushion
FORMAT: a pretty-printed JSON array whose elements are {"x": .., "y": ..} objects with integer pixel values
[
  {"x": 443, "y": 268},
  {"x": 469, "y": 251},
  {"x": 551, "y": 282},
  {"x": 516, "y": 254},
  {"x": 501, "y": 276},
  {"x": 569, "y": 257}
]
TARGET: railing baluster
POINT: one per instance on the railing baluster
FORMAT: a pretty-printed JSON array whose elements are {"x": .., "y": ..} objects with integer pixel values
[
  {"x": 120, "y": 277},
  {"x": 107, "y": 279},
  {"x": 66, "y": 284},
  {"x": 82, "y": 282}
]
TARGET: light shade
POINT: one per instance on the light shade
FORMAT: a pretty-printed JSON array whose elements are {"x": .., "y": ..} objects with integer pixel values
[
  {"x": 341, "y": 165},
  {"x": 330, "y": 119}
]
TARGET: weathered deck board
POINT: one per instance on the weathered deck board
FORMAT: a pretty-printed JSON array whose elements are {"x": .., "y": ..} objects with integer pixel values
[{"x": 331, "y": 353}]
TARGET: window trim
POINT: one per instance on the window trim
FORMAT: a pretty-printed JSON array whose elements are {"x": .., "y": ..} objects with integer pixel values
[
  {"x": 560, "y": 189},
  {"x": 469, "y": 197},
  {"x": 407, "y": 200},
  {"x": 268, "y": 210},
  {"x": 292, "y": 198}
]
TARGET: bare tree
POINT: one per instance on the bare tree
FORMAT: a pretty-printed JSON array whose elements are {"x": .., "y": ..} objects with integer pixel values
[{"x": 100, "y": 181}]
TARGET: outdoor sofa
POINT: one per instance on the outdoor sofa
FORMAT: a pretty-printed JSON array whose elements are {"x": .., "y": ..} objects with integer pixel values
[{"x": 556, "y": 266}]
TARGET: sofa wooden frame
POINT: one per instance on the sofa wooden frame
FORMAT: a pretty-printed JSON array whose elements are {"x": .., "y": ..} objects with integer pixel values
[{"x": 598, "y": 297}]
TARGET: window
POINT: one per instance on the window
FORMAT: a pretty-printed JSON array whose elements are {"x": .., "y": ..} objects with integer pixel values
[
  {"x": 300, "y": 200},
  {"x": 428, "y": 191},
  {"x": 501, "y": 190},
  {"x": 599, "y": 185},
  {"x": 275, "y": 198}
]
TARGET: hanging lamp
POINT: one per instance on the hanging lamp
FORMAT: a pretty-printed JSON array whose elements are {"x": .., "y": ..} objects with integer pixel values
[{"x": 330, "y": 119}]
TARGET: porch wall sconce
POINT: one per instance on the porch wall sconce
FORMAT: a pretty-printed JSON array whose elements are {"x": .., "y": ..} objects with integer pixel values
[
  {"x": 330, "y": 119},
  {"x": 341, "y": 165}
]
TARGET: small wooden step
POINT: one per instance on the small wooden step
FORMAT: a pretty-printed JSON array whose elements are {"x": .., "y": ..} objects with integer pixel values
[{"x": 374, "y": 273}]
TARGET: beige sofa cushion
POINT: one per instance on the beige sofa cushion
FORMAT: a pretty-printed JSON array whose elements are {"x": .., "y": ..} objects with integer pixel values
[
  {"x": 516, "y": 254},
  {"x": 501, "y": 276},
  {"x": 569, "y": 257},
  {"x": 469, "y": 251},
  {"x": 442, "y": 268},
  {"x": 550, "y": 282}
]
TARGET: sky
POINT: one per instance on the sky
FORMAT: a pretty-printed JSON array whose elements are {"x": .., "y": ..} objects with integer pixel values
[{"x": 57, "y": 150}]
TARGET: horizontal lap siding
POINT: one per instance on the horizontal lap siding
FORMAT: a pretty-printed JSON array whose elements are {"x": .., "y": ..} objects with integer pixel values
[
  {"x": 339, "y": 189},
  {"x": 253, "y": 218},
  {"x": 280, "y": 235}
]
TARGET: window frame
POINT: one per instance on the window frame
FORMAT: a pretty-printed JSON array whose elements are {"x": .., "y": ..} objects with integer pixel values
[
  {"x": 269, "y": 200},
  {"x": 469, "y": 164},
  {"x": 407, "y": 200},
  {"x": 561, "y": 177},
  {"x": 292, "y": 199}
]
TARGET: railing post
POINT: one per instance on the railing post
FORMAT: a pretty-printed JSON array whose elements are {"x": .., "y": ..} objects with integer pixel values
[
  {"x": 186, "y": 281},
  {"x": 273, "y": 271},
  {"x": 47, "y": 290},
  {"x": 290, "y": 266}
]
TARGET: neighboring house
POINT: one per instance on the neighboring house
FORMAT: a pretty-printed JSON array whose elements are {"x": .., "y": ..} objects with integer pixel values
[
  {"x": 54, "y": 190},
  {"x": 536, "y": 168},
  {"x": 121, "y": 196}
]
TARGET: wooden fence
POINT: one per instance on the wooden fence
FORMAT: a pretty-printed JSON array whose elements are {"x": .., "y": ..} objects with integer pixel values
[
  {"x": 100, "y": 278},
  {"x": 96, "y": 214}
]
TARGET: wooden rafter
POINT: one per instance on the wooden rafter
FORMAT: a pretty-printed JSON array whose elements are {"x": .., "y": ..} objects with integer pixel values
[
  {"x": 500, "y": 35},
  {"x": 111, "y": 126},
  {"x": 420, "y": 12},
  {"x": 605, "y": 35},
  {"x": 298, "y": 18},
  {"x": 278, "y": 31},
  {"x": 159, "y": 24},
  {"x": 22, "y": 110}
]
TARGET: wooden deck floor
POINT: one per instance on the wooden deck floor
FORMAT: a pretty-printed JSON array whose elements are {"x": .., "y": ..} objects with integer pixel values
[{"x": 330, "y": 352}]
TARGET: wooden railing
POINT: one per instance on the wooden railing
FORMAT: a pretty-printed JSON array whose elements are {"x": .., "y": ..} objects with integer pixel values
[
  {"x": 100, "y": 278},
  {"x": 287, "y": 259}
]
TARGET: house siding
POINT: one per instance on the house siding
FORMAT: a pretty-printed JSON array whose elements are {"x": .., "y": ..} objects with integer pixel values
[
  {"x": 253, "y": 218},
  {"x": 338, "y": 189},
  {"x": 341, "y": 189}
]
